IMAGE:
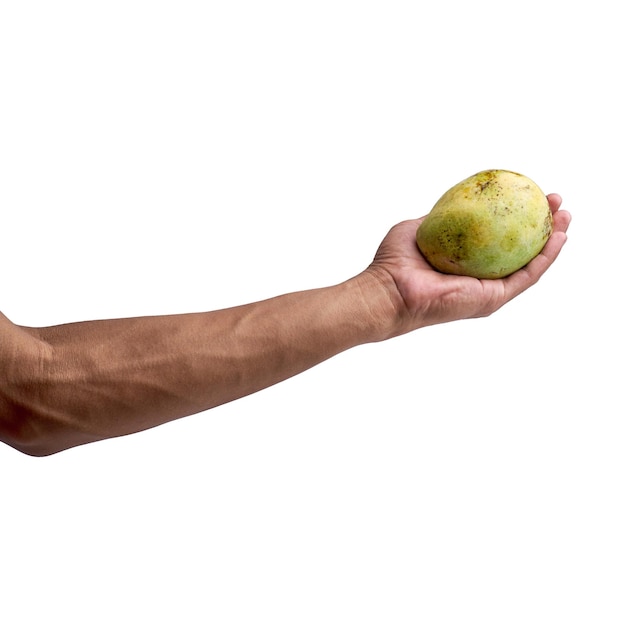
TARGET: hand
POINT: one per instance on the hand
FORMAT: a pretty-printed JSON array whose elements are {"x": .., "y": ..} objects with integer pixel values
[{"x": 424, "y": 296}]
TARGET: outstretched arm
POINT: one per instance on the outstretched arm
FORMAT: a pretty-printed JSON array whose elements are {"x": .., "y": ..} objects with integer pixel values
[{"x": 72, "y": 384}]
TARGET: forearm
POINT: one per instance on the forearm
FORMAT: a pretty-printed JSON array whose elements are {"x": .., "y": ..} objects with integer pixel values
[{"x": 107, "y": 378}]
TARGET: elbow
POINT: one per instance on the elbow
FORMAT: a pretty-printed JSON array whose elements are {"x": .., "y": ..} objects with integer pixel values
[
  {"x": 39, "y": 432},
  {"x": 28, "y": 445},
  {"x": 32, "y": 442},
  {"x": 35, "y": 425},
  {"x": 25, "y": 432},
  {"x": 38, "y": 448},
  {"x": 30, "y": 422},
  {"x": 41, "y": 447},
  {"x": 32, "y": 448}
]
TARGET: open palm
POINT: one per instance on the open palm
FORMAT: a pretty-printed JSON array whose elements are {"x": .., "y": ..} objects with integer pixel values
[{"x": 430, "y": 297}]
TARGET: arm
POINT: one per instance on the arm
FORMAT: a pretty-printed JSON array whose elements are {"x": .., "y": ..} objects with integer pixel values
[
  {"x": 77, "y": 383},
  {"x": 101, "y": 379}
]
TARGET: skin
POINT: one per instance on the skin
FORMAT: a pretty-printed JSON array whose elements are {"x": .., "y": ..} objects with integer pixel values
[
  {"x": 487, "y": 226},
  {"x": 73, "y": 384}
]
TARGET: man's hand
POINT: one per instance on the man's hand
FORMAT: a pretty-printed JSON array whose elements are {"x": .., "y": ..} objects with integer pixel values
[{"x": 424, "y": 296}]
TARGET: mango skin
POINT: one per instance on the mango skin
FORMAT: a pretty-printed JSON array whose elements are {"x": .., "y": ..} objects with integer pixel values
[{"x": 487, "y": 226}]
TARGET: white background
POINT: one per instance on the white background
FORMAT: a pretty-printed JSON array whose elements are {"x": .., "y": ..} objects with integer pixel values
[{"x": 167, "y": 157}]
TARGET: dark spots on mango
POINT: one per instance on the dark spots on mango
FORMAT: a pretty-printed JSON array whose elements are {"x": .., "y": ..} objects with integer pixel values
[
  {"x": 454, "y": 243},
  {"x": 487, "y": 226},
  {"x": 510, "y": 241},
  {"x": 499, "y": 209},
  {"x": 483, "y": 180},
  {"x": 460, "y": 237}
]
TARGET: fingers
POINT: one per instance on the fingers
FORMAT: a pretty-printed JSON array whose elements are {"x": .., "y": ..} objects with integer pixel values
[
  {"x": 554, "y": 200},
  {"x": 529, "y": 275},
  {"x": 561, "y": 221},
  {"x": 561, "y": 218}
]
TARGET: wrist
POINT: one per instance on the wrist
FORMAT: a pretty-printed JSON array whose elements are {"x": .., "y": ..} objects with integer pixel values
[{"x": 381, "y": 303}]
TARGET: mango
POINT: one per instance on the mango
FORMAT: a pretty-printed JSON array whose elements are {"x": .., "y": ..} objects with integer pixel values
[{"x": 487, "y": 226}]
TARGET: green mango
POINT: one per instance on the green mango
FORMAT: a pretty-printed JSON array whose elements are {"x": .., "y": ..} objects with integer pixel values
[{"x": 487, "y": 226}]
